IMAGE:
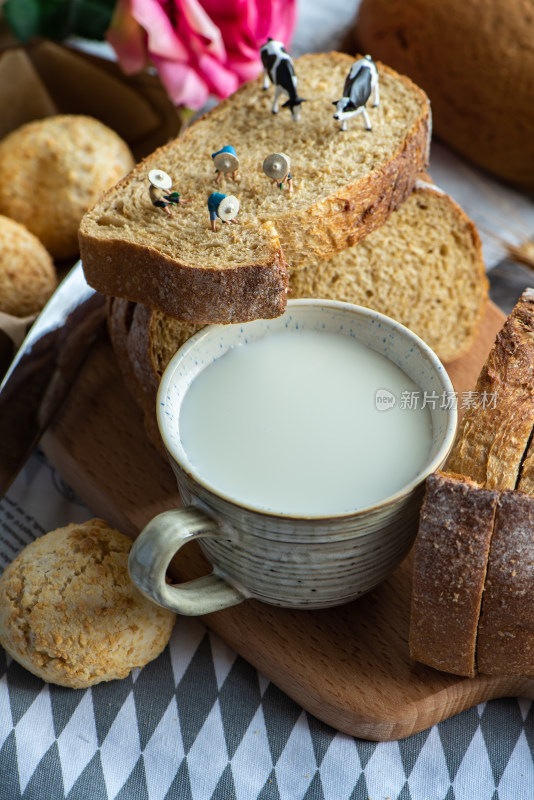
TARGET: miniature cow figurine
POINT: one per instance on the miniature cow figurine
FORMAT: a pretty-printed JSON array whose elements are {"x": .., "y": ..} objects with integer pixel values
[
  {"x": 360, "y": 83},
  {"x": 278, "y": 67}
]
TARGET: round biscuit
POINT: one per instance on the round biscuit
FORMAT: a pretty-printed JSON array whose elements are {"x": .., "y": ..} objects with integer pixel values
[{"x": 69, "y": 612}]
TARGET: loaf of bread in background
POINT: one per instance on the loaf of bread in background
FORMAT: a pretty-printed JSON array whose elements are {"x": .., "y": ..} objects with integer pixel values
[
  {"x": 346, "y": 184},
  {"x": 53, "y": 170},
  {"x": 475, "y": 60},
  {"x": 27, "y": 272},
  {"x": 423, "y": 267}
]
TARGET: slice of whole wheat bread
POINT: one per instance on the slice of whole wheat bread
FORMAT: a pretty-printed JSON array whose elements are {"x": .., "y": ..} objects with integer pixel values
[
  {"x": 494, "y": 433},
  {"x": 346, "y": 184},
  {"x": 451, "y": 552},
  {"x": 423, "y": 267},
  {"x": 505, "y": 643}
]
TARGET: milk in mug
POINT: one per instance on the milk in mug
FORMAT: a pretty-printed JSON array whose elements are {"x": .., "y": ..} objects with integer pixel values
[{"x": 291, "y": 424}]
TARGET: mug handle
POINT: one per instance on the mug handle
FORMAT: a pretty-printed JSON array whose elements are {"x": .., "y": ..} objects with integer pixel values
[{"x": 151, "y": 555}]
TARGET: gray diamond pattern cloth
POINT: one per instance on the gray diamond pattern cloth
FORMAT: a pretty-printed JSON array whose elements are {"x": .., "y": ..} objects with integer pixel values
[{"x": 199, "y": 723}]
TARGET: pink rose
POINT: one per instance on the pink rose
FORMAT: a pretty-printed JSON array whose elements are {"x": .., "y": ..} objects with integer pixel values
[{"x": 199, "y": 47}]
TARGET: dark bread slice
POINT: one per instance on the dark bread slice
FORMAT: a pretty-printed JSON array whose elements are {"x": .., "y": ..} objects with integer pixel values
[
  {"x": 451, "y": 553},
  {"x": 506, "y": 629}
]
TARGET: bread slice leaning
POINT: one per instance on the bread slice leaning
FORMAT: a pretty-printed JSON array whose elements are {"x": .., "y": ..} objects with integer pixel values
[
  {"x": 346, "y": 184},
  {"x": 494, "y": 433}
]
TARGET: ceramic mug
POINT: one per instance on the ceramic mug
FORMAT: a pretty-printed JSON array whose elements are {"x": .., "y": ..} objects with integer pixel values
[{"x": 303, "y": 561}]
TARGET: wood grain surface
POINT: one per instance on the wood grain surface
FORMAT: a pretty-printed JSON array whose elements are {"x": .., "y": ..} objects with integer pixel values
[{"x": 349, "y": 666}]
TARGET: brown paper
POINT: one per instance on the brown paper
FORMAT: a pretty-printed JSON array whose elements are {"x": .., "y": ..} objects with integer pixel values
[
  {"x": 23, "y": 95},
  {"x": 12, "y": 333},
  {"x": 43, "y": 78}
]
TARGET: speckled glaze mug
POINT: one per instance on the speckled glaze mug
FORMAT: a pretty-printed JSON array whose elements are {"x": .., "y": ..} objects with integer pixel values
[{"x": 294, "y": 561}]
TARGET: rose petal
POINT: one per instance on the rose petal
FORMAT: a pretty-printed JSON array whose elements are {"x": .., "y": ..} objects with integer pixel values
[
  {"x": 198, "y": 46},
  {"x": 127, "y": 38},
  {"x": 183, "y": 84},
  {"x": 162, "y": 38}
]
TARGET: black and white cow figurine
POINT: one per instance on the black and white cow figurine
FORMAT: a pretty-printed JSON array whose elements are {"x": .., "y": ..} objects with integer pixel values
[
  {"x": 278, "y": 67},
  {"x": 360, "y": 83}
]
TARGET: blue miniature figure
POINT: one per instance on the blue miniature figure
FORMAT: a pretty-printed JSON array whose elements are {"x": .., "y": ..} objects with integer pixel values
[
  {"x": 226, "y": 162},
  {"x": 223, "y": 206},
  {"x": 160, "y": 183}
]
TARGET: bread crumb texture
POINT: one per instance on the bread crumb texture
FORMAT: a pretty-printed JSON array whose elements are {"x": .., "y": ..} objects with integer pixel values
[
  {"x": 423, "y": 267},
  {"x": 69, "y": 612},
  {"x": 53, "y": 170},
  {"x": 27, "y": 272},
  {"x": 336, "y": 175}
]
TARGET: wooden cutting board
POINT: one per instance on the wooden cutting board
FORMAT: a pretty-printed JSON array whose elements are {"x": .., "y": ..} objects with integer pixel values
[{"x": 349, "y": 666}]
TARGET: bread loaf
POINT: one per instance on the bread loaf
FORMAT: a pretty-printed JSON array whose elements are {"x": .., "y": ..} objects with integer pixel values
[
  {"x": 53, "y": 170},
  {"x": 346, "y": 184},
  {"x": 423, "y": 267},
  {"x": 475, "y": 60},
  {"x": 494, "y": 432},
  {"x": 27, "y": 272},
  {"x": 461, "y": 556},
  {"x": 473, "y": 577}
]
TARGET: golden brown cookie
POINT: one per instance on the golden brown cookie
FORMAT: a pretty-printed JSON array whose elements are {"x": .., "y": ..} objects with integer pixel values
[
  {"x": 27, "y": 273},
  {"x": 53, "y": 170},
  {"x": 69, "y": 612}
]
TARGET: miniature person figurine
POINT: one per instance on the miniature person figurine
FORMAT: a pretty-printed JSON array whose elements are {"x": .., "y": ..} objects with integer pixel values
[
  {"x": 276, "y": 167},
  {"x": 223, "y": 206},
  {"x": 226, "y": 163},
  {"x": 360, "y": 83},
  {"x": 160, "y": 183},
  {"x": 278, "y": 66}
]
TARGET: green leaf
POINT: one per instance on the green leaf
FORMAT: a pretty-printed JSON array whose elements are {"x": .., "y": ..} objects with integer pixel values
[{"x": 57, "y": 19}]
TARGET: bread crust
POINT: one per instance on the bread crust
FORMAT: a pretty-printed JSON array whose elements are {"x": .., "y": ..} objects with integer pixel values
[
  {"x": 506, "y": 630},
  {"x": 451, "y": 552},
  {"x": 135, "y": 268},
  {"x": 186, "y": 292},
  {"x": 491, "y": 441}
]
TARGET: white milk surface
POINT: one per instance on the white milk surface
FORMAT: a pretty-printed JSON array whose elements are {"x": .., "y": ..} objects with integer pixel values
[{"x": 289, "y": 424}]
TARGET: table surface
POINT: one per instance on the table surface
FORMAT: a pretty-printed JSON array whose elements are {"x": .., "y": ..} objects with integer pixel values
[{"x": 200, "y": 723}]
